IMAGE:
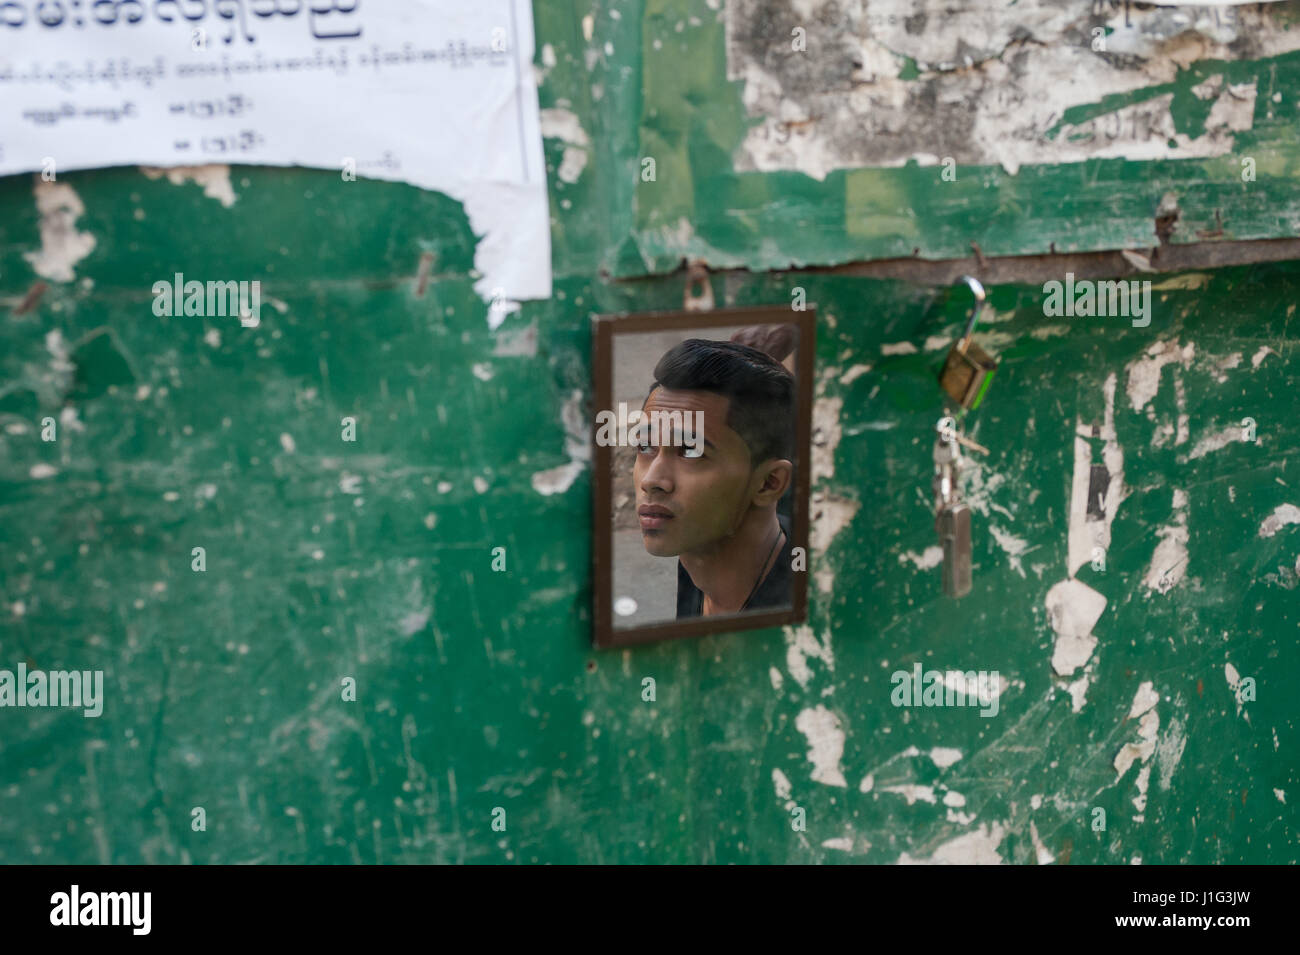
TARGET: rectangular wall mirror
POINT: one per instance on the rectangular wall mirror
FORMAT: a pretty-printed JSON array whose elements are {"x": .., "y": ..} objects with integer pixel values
[{"x": 701, "y": 435}]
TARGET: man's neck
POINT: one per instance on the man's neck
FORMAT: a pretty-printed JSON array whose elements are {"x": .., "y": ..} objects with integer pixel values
[{"x": 727, "y": 572}]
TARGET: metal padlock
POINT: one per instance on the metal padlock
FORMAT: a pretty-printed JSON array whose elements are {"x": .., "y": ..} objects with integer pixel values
[{"x": 968, "y": 369}]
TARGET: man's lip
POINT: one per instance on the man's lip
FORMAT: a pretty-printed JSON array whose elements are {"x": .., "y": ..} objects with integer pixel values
[{"x": 653, "y": 517}]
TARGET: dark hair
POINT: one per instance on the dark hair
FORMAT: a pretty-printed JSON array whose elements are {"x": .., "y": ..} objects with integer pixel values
[{"x": 760, "y": 390}]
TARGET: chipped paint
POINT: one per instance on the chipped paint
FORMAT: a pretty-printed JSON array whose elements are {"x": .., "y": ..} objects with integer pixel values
[
  {"x": 1169, "y": 751},
  {"x": 854, "y": 373},
  {"x": 1078, "y": 691},
  {"x": 577, "y": 444},
  {"x": 213, "y": 178},
  {"x": 973, "y": 848},
  {"x": 1144, "y": 373},
  {"x": 912, "y": 792},
  {"x": 1042, "y": 854},
  {"x": 1282, "y": 515},
  {"x": 781, "y": 785},
  {"x": 989, "y": 82},
  {"x": 1215, "y": 441},
  {"x": 826, "y": 436},
  {"x": 1168, "y": 564},
  {"x": 944, "y": 756},
  {"x": 1144, "y": 703},
  {"x": 1013, "y": 546},
  {"x": 1145, "y": 698},
  {"x": 1073, "y": 609},
  {"x": 825, "y": 738},
  {"x": 562, "y": 124},
  {"x": 62, "y": 246},
  {"x": 802, "y": 644},
  {"x": 1257, "y": 359},
  {"x": 928, "y": 559}
]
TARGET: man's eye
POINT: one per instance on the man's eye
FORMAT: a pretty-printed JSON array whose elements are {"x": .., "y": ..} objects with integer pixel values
[{"x": 689, "y": 452}]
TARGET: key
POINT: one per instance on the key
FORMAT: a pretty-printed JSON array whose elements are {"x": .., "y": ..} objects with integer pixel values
[{"x": 953, "y": 523}]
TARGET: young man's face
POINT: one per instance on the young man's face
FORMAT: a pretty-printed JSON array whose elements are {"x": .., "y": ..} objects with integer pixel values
[{"x": 707, "y": 485}]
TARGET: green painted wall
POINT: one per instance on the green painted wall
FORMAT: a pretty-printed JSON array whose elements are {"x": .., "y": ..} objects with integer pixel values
[{"x": 477, "y": 689}]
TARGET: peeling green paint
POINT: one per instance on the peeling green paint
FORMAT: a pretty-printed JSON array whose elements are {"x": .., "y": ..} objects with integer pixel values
[{"x": 478, "y": 689}]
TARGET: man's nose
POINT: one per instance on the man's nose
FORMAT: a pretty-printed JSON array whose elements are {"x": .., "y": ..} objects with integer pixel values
[{"x": 658, "y": 474}]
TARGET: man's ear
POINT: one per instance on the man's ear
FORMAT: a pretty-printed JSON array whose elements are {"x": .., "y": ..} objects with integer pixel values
[{"x": 778, "y": 474}]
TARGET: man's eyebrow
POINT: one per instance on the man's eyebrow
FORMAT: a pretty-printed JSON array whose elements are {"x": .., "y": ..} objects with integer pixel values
[{"x": 643, "y": 426}]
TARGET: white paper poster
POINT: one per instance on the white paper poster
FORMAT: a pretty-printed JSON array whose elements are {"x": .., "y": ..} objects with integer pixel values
[{"x": 436, "y": 93}]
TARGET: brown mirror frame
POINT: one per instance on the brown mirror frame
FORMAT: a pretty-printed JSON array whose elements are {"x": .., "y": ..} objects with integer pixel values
[{"x": 604, "y": 329}]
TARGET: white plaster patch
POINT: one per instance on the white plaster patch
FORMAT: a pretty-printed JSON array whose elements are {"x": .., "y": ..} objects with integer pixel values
[
  {"x": 1086, "y": 534},
  {"x": 62, "y": 246},
  {"x": 572, "y": 163},
  {"x": 956, "y": 799},
  {"x": 970, "y": 690},
  {"x": 898, "y": 348},
  {"x": 1282, "y": 515},
  {"x": 1144, "y": 373},
  {"x": 577, "y": 444},
  {"x": 1145, "y": 698},
  {"x": 912, "y": 792},
  {"x": 868, "y": 781},
  {"x": 1214, "y": 441},
  {"x": 781, "y": 784},
  {"x": 973, "y": 848},
  {"x": 843, "y": 844},
  {"x": 928, "y": 559},
  {"x": 1232, "y": 676},
  {"x": 1013, "y": 546},
  {"x": 1073, "y": 609},
  {"x": 563, "y": 124},
  {"x": 774, "y": 675},
  {"x": 1169, "y": 751},
  {"x": 944, "y": 756},
  {"x": 1169, "y": 560},
  {"x": 826, "y": 436},
  {"x": 801, "y": 644},
  {"x": 825, "y": 744},
  {"x": 830, "y": 515},
  {"x": 1049, "y": 331},
  {"x": 1140, "y": 800},
  {"x": 1259, "y": 356},
  {"x": 1042, "y": 854},
  {"x": 1078, "y": 693},
  {"x": 854, "y": 373},
  {"x": 975, "y": 67},
  {"x": 1148, "y": 726},
  {"x": 214, "y": 178}
]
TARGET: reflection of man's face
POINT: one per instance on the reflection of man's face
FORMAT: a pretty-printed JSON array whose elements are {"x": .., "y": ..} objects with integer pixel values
[{"x": 707, "y": 493}]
